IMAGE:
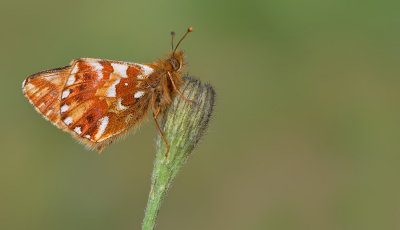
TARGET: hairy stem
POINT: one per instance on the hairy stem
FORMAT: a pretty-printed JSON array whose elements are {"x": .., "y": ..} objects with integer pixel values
[{"x": 183, "y": 124}]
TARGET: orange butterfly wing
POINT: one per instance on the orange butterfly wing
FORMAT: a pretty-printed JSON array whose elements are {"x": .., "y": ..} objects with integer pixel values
[
  {"x": 43, "y": 91},
  {"x": 95, "y": 100}
]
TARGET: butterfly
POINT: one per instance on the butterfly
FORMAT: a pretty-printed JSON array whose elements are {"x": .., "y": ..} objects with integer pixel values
[{"x": 99, "y": 101}]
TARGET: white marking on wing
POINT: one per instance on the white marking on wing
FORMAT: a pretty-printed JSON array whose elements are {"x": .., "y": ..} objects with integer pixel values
[
  {"x": 48, "y": 112},
  {"x": 120, "y": 106},
  {"x": 112, "y": 91},
  {"x": 146, "y": 70},
  {"x": 71, "y": 79},
  {"x": 65, "y": 94},
  {"x": 102, "y": 127},
  {"x": 125, "y": 83},
  {"x": 139, "y": 76},
  {"x": 64, "y": 108},
  {"x": 29, "y": 87},
  {"x": 95, "y": 66},
  {"x": 87, "y": 136},
  {"x": 120, "y": 69},
  {"x": 75, "y": 70},
  {"x": 99, "y": 75},
  {"x": 78, "y": 130},
  {"x": 68, "y": 120},
  {"x": 138, "y": 94}
]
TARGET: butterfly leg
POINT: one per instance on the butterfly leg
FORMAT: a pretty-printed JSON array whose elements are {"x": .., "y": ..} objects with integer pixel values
[
  {"x": 159, "y": 129},
  {"x": 177, "y": 90}
]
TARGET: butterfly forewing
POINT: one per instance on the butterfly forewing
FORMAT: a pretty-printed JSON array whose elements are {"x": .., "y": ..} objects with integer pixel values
[{"x": 93, "y": 99}]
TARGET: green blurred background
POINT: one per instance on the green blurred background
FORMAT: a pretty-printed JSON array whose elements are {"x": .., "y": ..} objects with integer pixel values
[{"x": 305, "y": 132}]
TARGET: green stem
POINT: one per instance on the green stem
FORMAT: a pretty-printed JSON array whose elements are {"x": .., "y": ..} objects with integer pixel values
[{"x": 183, "y": 124}]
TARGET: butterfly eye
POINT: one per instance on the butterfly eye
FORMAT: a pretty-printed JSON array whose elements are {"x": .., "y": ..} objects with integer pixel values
[{"x": 176, "y": 65}]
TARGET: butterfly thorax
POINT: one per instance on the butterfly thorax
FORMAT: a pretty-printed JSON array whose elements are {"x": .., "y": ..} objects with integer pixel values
[{"x": 162, "y": 87}]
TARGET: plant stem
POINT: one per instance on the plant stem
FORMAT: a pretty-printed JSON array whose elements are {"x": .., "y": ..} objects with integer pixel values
[{"x": 183, "y": 124}]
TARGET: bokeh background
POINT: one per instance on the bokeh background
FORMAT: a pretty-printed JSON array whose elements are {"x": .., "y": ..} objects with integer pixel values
[{"x": 305, "y": 133}]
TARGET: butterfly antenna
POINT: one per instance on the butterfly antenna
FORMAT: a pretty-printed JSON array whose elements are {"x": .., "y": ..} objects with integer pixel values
[
  {"x": 190, "y": 29},
  {"x": 172, "y": 40}
]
